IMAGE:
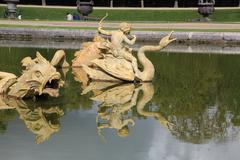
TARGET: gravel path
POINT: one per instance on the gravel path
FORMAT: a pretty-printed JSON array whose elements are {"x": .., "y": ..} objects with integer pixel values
[{"x": 116, "y": 24}]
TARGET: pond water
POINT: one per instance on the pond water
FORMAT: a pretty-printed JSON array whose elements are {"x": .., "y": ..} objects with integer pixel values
[{"x": 191, "y": 111}]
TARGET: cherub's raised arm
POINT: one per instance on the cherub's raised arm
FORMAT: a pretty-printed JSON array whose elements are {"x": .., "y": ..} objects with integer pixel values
[
  {"x": 130, "y": 42},
  {"x": 100, "y": 28},
  {"x": 108, "y": 33}
]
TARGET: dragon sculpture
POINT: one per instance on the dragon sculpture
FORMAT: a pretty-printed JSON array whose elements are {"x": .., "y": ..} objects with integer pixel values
[{"x": 39, "y": 77}]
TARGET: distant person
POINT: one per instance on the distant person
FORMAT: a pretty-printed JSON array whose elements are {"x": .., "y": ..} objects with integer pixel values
[
  {"x": 19, "y": 16},
  {"x": 69, "y": 17},
  {"x": 76, "y": 16}
]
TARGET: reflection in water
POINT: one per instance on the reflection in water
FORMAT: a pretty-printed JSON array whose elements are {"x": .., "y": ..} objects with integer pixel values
[
  {"x": 121, "y": 103},
  {"x": 115, "y": 105},
  {"x": 196, "y": 97},
  {"x": 148, "y": 92},
  {"x": 40, "y": 120},
  {"x": 117, "y": 102}
]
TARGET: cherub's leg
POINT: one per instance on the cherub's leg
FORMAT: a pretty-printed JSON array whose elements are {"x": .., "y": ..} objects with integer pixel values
[
  {"x": 6, "y": 80},
  {"x": 132, "y": 59},
  {"x": 59, "y": 59}
]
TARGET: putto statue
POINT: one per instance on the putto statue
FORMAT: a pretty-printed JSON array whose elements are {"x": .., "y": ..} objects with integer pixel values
[
  {"x": 105, "y": 60},
  {"x": 39, "y": 77}
]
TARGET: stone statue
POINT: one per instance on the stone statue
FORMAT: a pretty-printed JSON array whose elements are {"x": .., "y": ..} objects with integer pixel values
[
  {"x": 39, "y": 77},
  {"x": 105, "y": 60},
  {"x": 111, "y": 68},
  {"x": 119, "y": 42}
]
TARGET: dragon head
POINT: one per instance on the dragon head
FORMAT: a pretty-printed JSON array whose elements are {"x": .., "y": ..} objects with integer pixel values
[{"x": 39, "y": 77}]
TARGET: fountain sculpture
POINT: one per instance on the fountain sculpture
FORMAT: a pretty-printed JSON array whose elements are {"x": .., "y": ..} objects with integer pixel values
[
  {"x": 105, "y": 60},
  {"x": 101, "y": 59},
  {"x": 39, "y": 77}
]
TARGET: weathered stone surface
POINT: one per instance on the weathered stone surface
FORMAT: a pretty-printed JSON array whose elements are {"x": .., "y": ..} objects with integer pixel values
[
  {"x": 205, "y": 36},
  {"x": 39, "y": 77},
  {"x": 119, "y": 68},
  {"x": 231, "y": 36},
  {"x": 60, "y": 34},
  {"x": 88, "y": 52}
]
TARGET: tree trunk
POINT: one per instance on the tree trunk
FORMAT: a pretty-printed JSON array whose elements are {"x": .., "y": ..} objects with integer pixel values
[
  {"x": 111, "y": 3},
  {"x": 44, "y": 2},
  {"x": 142, "y": 3}
]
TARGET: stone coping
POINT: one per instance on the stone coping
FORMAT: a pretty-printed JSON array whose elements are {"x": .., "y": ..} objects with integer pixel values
[
  {"x": 76, "y": 45},
  {"x": 142, "y": 36}
]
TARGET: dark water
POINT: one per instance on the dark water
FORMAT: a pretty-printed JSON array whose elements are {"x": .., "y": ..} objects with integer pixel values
[{"x": 191, "y": 111}]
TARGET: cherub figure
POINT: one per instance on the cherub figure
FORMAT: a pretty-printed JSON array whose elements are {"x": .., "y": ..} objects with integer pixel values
[{"x": 120, "y": 42}]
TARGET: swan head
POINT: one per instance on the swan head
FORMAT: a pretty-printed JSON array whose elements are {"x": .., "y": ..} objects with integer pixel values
[{"x": 167, "y": 40}]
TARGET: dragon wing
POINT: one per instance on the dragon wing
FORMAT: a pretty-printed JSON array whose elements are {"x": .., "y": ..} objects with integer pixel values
[{"x": 117, "y": 67}]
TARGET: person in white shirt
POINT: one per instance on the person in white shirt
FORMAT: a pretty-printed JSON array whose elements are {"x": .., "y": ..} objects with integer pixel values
[{"x": 69, "y": 17}]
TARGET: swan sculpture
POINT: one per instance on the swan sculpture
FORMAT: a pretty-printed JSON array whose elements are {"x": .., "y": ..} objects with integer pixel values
[{"x": 112, "y": 68}]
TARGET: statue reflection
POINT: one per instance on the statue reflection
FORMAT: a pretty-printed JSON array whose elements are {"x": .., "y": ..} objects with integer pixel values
[
  {"x": 40, "y": 120},
  {"x": 116, "y": 104},
  {"x": 148, "y": 92}
]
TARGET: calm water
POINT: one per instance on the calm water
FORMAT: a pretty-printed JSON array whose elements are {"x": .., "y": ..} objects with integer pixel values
[{"x": 191, "y": 111}]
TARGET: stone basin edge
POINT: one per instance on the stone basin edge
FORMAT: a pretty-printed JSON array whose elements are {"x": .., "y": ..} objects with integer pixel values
[{"x": 142, "y": 36}]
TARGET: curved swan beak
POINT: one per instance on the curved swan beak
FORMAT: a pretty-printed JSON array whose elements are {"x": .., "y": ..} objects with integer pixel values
[
  {"x": 166, "y": 40},
  {"x": 170, "y": 37}
]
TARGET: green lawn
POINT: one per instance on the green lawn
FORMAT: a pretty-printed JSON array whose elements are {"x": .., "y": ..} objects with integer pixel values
[{"x": 129, "y": 15}]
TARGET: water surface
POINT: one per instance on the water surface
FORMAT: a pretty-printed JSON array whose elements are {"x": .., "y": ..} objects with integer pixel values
[{"x": 190, "y": 111}]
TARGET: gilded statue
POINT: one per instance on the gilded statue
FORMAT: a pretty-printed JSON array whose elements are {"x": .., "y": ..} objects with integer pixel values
[
  {"x": 113, "y": 60},
  {"x": 39, "y": 76}
]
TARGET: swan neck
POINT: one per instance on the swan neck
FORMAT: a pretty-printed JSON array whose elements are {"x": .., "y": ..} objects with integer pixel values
[
  {"x": 148, "y": 92},
  {"x": 148, "y": 69}
]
